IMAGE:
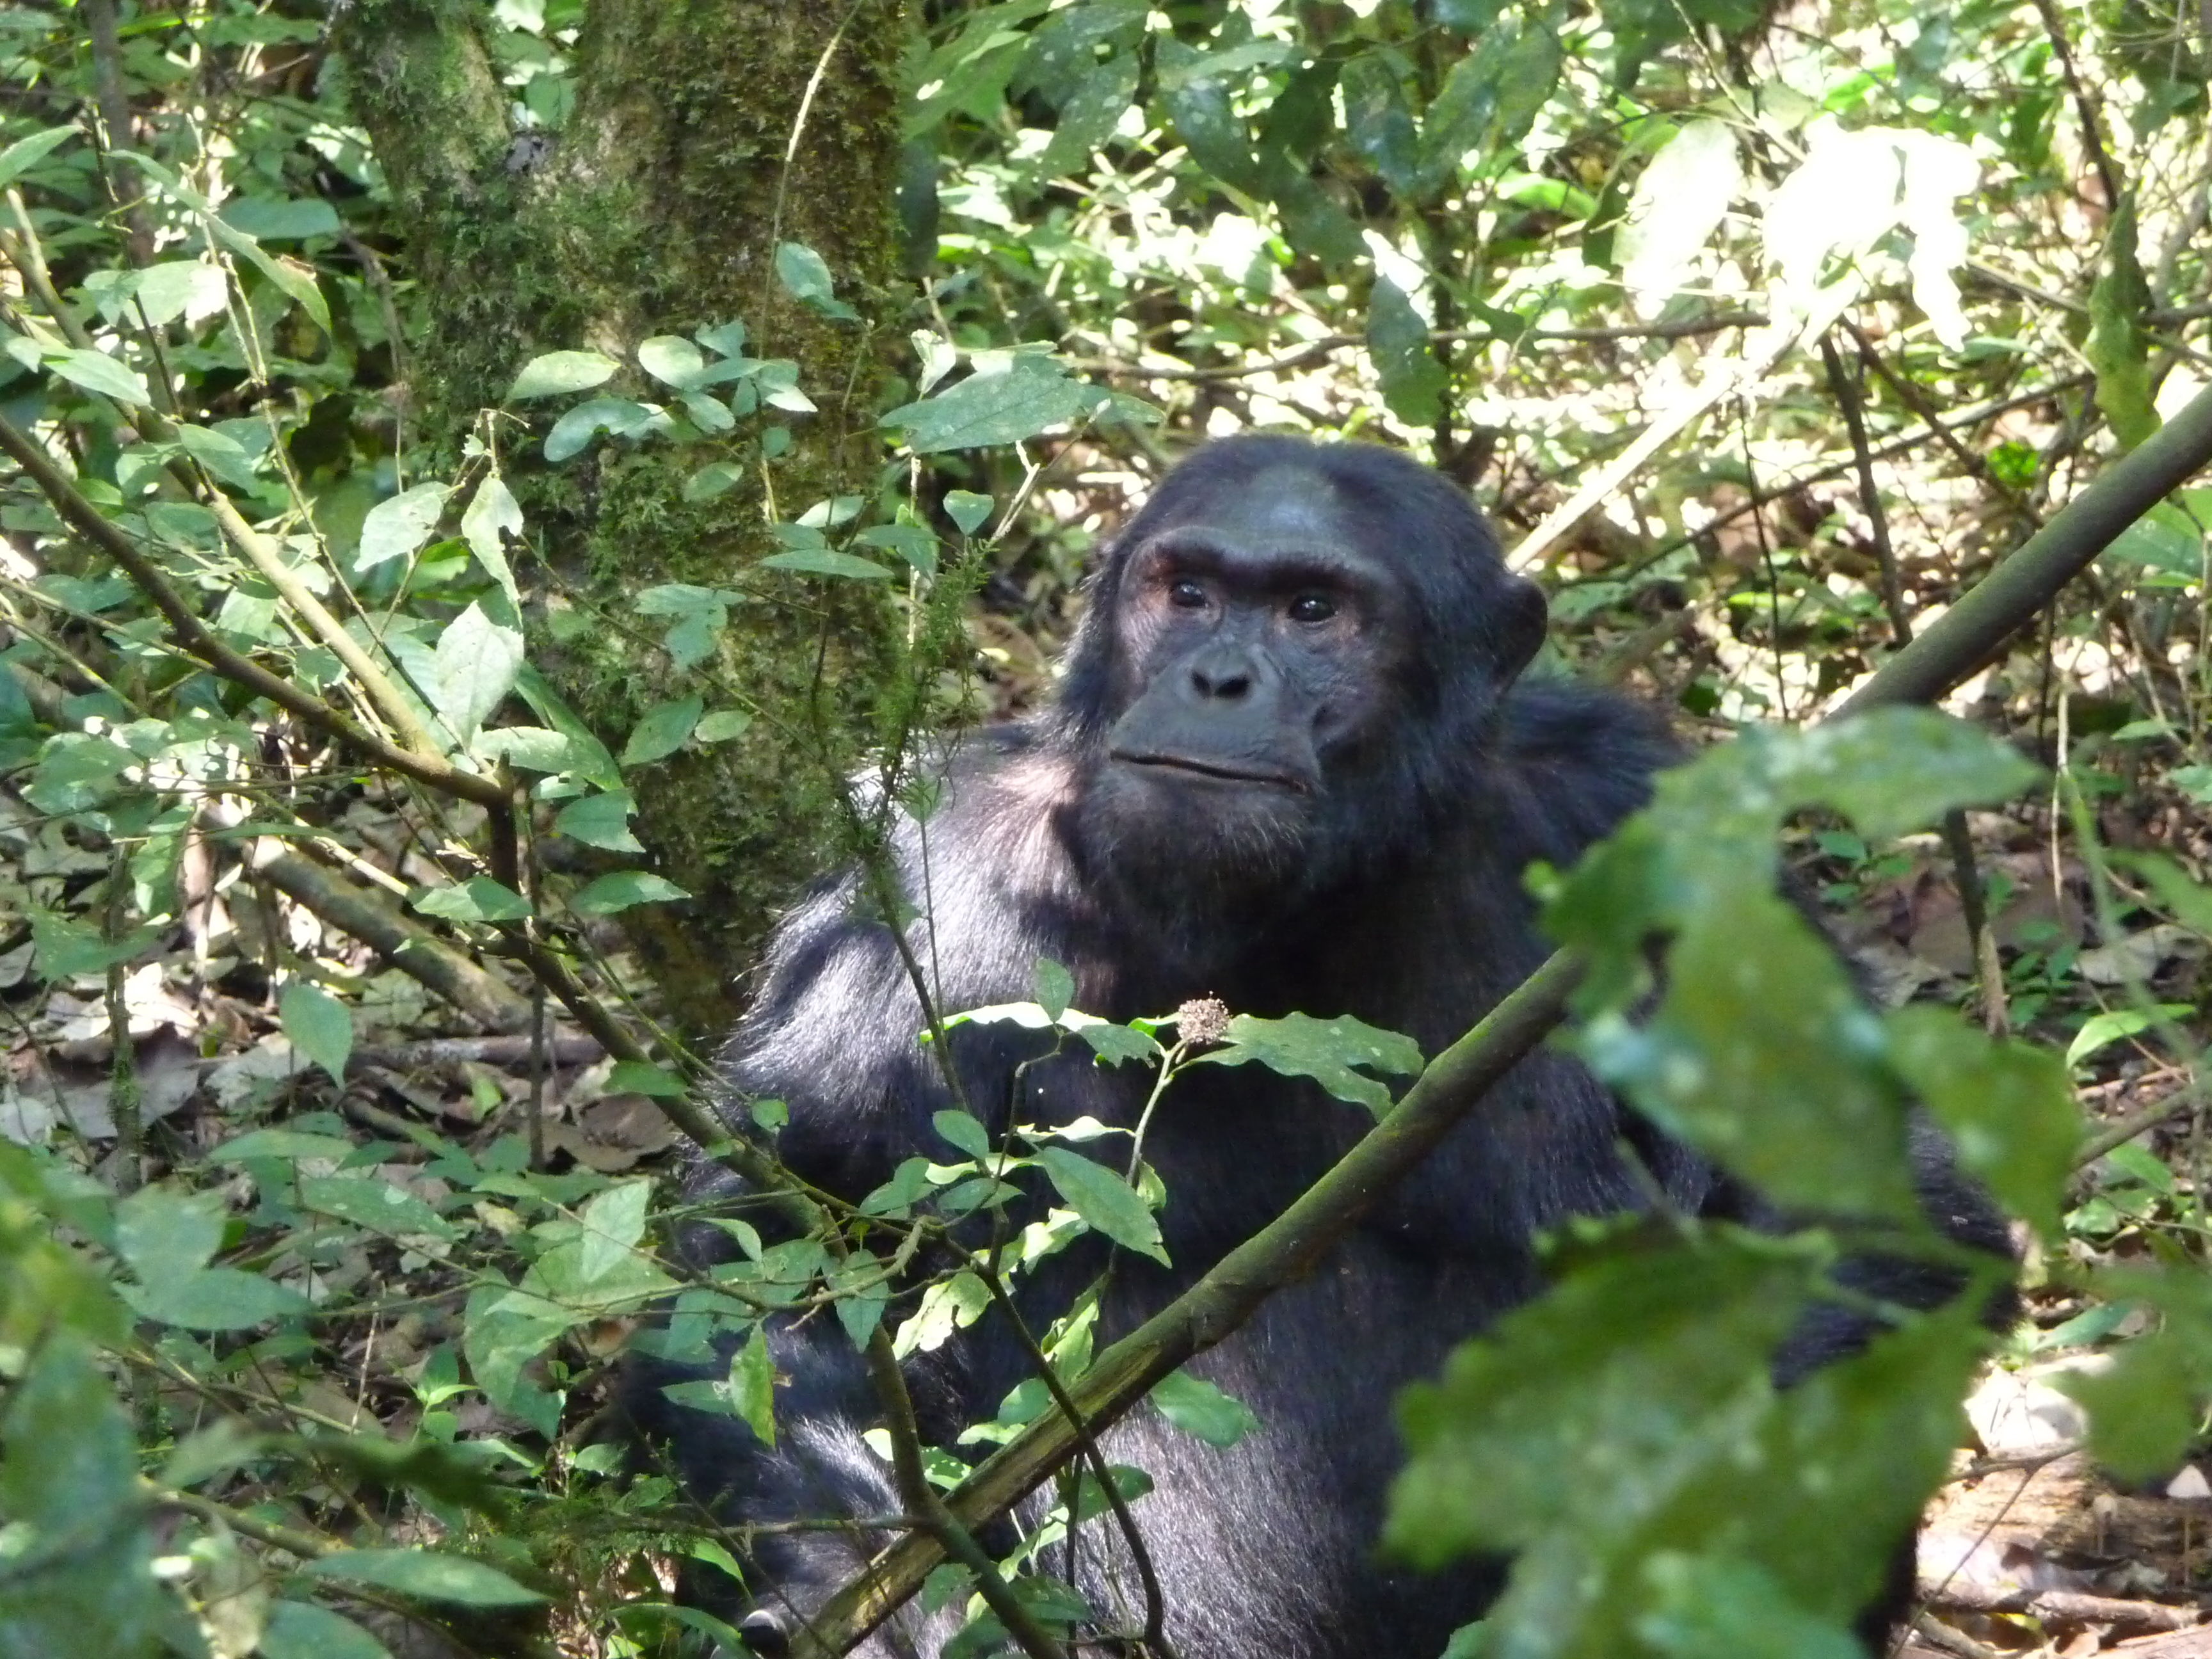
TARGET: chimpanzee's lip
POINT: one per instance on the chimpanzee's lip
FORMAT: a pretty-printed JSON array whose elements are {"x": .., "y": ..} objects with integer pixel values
[{"x": 1220, "y": 771}]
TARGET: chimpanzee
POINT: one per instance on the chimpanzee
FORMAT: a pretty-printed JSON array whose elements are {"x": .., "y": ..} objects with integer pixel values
[{"x": 1293, "y": 764}]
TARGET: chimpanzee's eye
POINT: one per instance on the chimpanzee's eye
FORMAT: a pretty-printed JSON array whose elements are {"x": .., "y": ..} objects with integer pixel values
[
  {"x": 1312, "y": 608},
  {"x": 1186, "y": 595}
]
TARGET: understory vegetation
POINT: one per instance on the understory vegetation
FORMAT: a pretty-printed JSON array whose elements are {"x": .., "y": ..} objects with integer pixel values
[{"x": 463, "y": 566}]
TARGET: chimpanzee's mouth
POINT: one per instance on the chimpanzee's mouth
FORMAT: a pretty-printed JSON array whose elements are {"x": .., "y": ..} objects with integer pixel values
[{"x": 1218, "y": 771}]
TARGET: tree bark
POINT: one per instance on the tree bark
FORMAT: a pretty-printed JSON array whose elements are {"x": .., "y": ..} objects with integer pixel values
[{"x": 657, "y": 208}]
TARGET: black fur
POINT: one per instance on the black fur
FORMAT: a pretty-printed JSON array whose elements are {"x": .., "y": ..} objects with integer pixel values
[{"x": 1393, "y": 892}]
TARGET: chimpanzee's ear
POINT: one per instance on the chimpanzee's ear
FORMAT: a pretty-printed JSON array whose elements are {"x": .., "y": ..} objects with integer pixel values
[{"x": 1519, "y": 621}]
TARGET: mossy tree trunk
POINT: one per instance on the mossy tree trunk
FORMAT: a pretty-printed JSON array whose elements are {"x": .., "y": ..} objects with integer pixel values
[{"x": 655, "y": 208}]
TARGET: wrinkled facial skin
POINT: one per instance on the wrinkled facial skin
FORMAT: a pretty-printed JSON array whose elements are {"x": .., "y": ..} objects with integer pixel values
[{"x": 1258, "y": 650}]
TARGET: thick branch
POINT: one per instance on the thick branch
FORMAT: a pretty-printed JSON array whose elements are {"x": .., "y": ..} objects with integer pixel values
[{"x": 1289, "y": 1246}]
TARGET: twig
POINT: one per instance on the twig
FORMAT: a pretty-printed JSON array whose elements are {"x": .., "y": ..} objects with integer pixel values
[
  {"x": 2127, "y": 1128},
  {"x": 2092, "y": 138}
]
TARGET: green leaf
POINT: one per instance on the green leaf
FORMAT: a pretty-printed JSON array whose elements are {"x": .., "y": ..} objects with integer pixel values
[
  {"x": 527, "y": 748},
  {"x": 720, "y": 725},
  {"x": 984, "y": 411},
  {"x": 1703, "y": 1606},
  {"x": 1679, "y": 203},
  {"x": 2007, "y": 1108},
  {"x": 672, "y": 360},
  {"x": 2164, "y": 539},
  {"x": 1332, "y": 1052},
  {"x": 624, "y": 888},
  {"x": 824, "y": 563},
  {"x": 910, "y": 542},
  {"x": 715, "y": 478},
  {"x": 2117, "y": 348},
  {"x": 752, "y": 1386},
  {"x": 477, "y": 662},
  {"x": 319, "y": 1026},
  {"x": 368, "y": 1202},
  {"x": 492, "y": 513},
  {"x": 286, "y": 1144},
  {"x": 162, "y": 1234},
  {"x": 1054, "y": 987},
  {"x": 503, "y": 1331},
  {"x": 396, "y": 528},
  {"x": 20, "y": 157},
  {"x": 214, "y": 1299},
  {"x": 613, "y": 1224},
  {"x": 662, "y": 730},
  {"x": 301, "y": 1630},
  {"x": 1103, "y": 1199},
  {"x": 477, "y": 899},
  {"x": 1198, "y": 1409},
  {"x": 428, "y": 1577},
  {"x": 1378, "y": 123},
  {"x": 1413, "y": 381},
  {"x": 967, "y": 509},
  {"x": 643, "y": 1078},
  {"x": 966, "y": 1131},
  {"x": 95, "y": 371},
  {"x": 601, "y": 820},
  {"x": 2115, "y": 1025},
  {"x": 805, "y": 277},
  {"x": 560, "y": 372},
  {"x": 573, "y": 432},
  {"x": 293, "y": 279},
  {"x": 275, "y": 219}
]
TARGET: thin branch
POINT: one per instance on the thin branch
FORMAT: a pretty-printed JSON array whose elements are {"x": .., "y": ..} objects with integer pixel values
[
  {"x": 196, "y": 637},
  {"x": 2093, "y": 137}
]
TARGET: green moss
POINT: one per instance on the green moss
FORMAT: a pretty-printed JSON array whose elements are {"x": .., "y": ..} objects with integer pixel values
[{"x": 656, "y": 211}]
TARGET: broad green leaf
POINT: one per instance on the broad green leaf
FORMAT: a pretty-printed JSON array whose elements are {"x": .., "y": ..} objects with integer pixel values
[
  {"x": 643, "y": 1078},
  {"x": 1102, "y": 1199},
  {"x": 2115, "y": 1025},
  {"x": 301, "y": 1630},
  {"x": 720, "y": 725},
  {"x": 624, "y": 888},
  {"x": 1054, "y": 987},
  {"x": 1679, "y": 203},
  {"x": 1378, "y": 122},
  {"x": 662, "y": 730},
  {"x": 491, "y": 514},
  {"x": 715, "y": 478},
  {"x": 295, "y": 280},
  {"x": 20, "y": 157},
  {"x": 601, "y": 820},
  {"x": 613, "y": 1224},
  {"x": 503, "y": 1331},
  {"x": 2007, "y": 1107},
  {"x": 368, "y": 1202},
  {"x": 2164, "y": 539},
  {"x": 965, "y": 1131},
  {"x": 1089, "y": 115},
  {"x": 560, "y": 372},
  {"x": 967, "y": 509},
  {"x": 528, "y": 748},
  {"x": 805, "y": 276},
  {"x": 396, "y": 528},
  {"x": 621, "y": 417},
  {"x": 95, "y": 371},
  {"x": 193, "y": 290},
  {"x": 672, "y": 360},
  {"x": 1398, "y": 342},
  {"x": 477, "y": 899},
  {"x": 214, "y": 1299},
  {"x": 752, "y": 1386},
  {"x": 2117, "y": 349},
  {"x": 1198, "y": 1409},
  {"x": 1333, "y": 1052},
  {"x": 1703, "y": 1606},
  {"x": 477, "y": 660},
  {"x": 319, "y": 1026},
  {"x": 285, "y": 1143},
  {"x": 222, "y": 455},
  {"x": 275, "y": 219},
  {"x": 162, "y": 1234},
  {"x": 69, "y": 1473},
  {"x": 2145, "y": 1411},
  {"x": 985, "y": 410},
  {"x": 425, "y": 1576},
  {"x": 825, "y": 563}
]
